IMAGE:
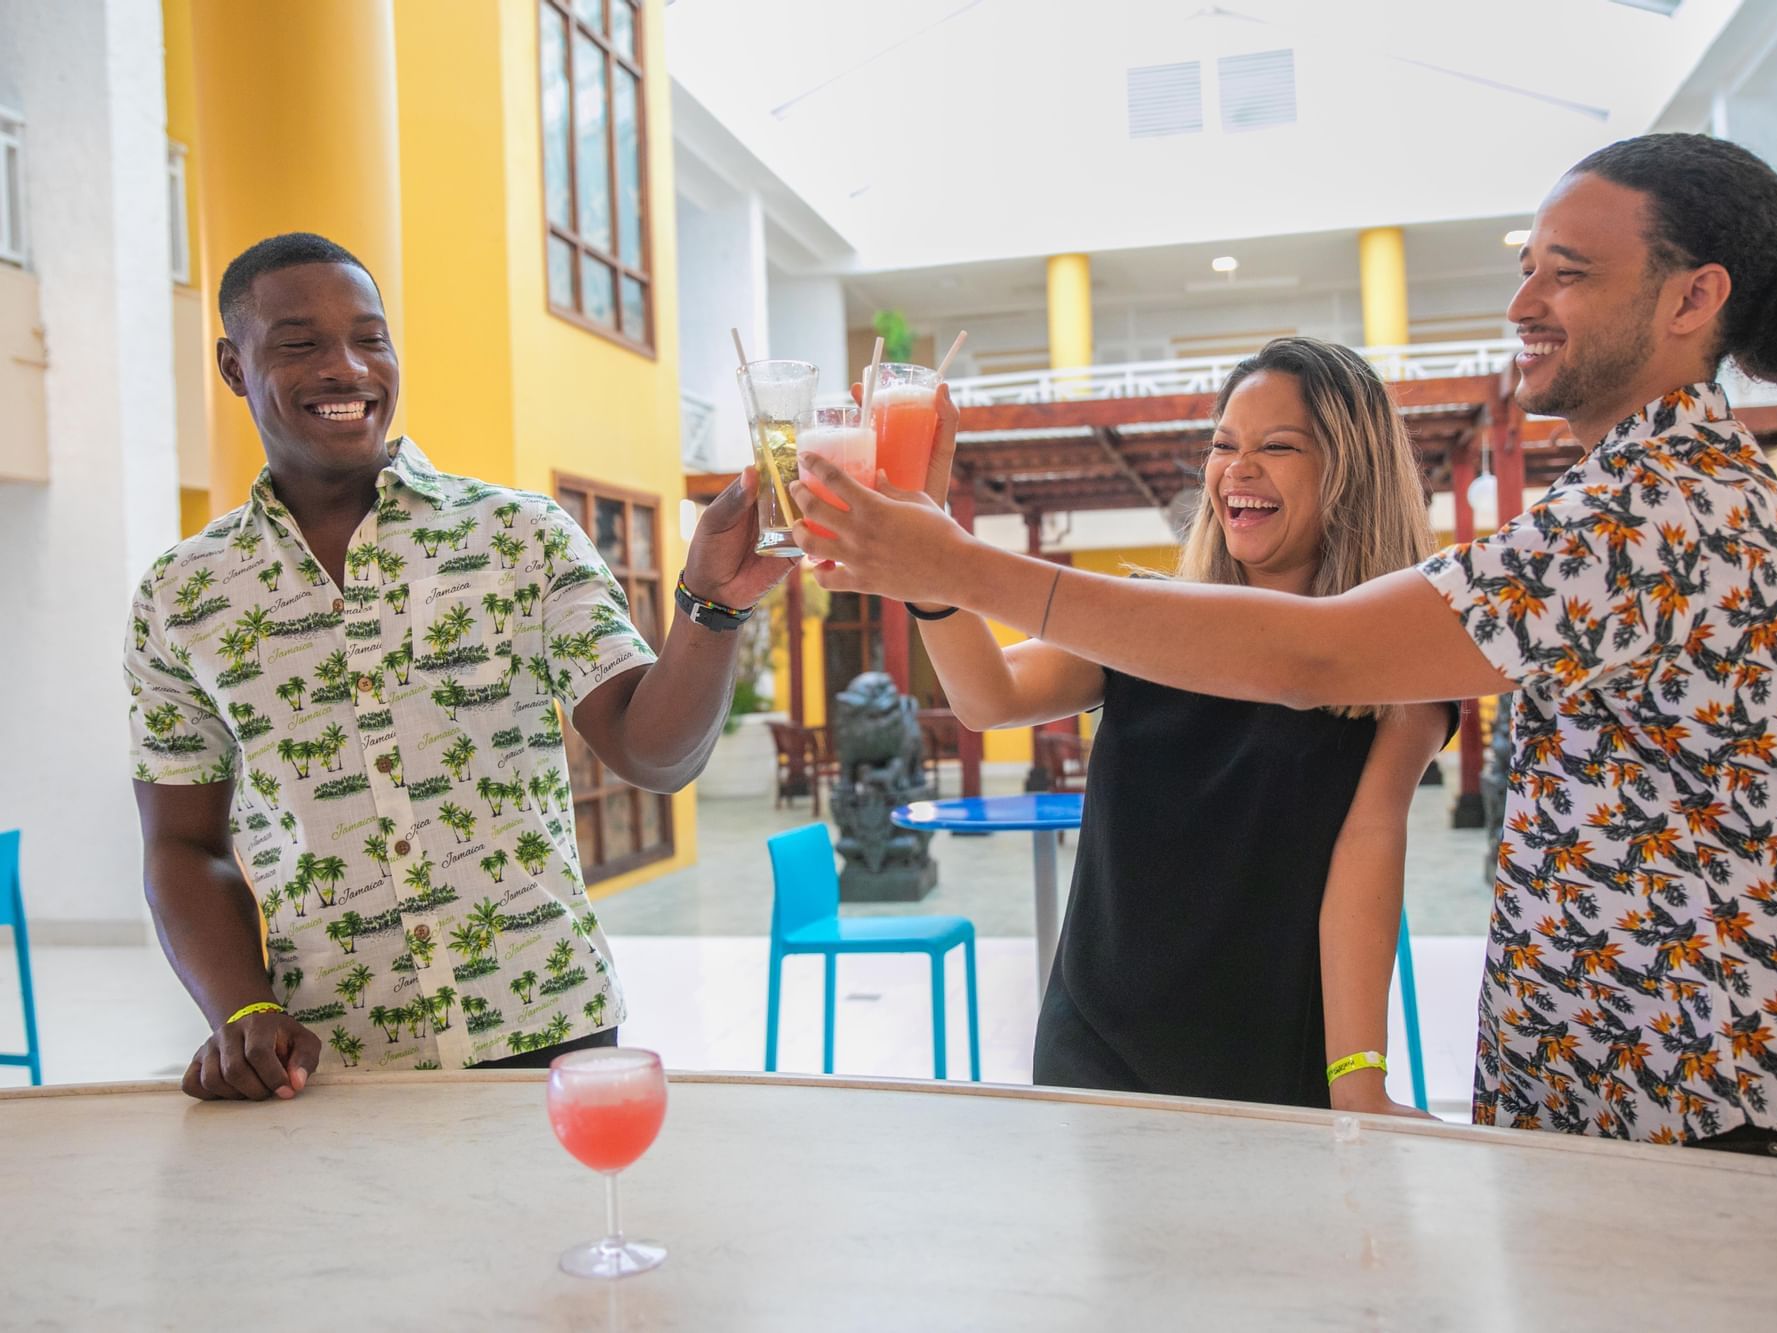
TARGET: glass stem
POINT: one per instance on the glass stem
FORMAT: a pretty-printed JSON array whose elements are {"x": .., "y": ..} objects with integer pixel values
[{"x": 613, "y": 1229}]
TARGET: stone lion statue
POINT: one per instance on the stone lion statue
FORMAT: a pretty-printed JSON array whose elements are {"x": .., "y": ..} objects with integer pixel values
[
  {"x": 877, "y": 740},
  {"x": 875, "y": 725}
]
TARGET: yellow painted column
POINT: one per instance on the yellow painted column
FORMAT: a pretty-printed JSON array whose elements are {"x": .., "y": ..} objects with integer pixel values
[
  {"x": 1070, "y": 311},
  {"x": 1382, "y": 278},
  {"x": 297, "y": 131}
]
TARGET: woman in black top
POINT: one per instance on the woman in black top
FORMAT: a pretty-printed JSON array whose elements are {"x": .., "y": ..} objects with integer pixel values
[{"x": 1237, "y": 890}]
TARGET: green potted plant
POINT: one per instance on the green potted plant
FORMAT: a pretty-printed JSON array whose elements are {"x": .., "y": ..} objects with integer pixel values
[{"x": 896, "y": 334}]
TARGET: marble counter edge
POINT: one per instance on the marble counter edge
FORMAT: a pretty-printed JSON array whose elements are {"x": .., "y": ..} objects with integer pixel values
[{"x": 1475, "y": 1135}]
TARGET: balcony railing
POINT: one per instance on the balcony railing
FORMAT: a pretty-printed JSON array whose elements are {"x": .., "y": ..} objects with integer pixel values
[{"x": 1206, "y": 374}]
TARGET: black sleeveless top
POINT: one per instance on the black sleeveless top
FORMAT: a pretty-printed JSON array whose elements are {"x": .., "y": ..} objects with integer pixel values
[{"x": 1189, "y": 961}]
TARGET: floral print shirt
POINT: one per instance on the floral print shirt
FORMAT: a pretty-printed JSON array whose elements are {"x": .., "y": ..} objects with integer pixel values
[
  {"x": 401, "y": 805},
  {"x": 1631, "y": 980}
]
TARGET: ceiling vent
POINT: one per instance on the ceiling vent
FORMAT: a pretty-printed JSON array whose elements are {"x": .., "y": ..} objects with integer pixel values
[
  {"x": 1258, "y": 90},
  {"x": 1165, "y": 99}
]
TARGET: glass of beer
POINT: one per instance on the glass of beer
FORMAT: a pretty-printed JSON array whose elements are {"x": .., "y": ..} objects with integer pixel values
[
  {"x": 775, "y": 394},
  {"x": 904, "y": 413}
]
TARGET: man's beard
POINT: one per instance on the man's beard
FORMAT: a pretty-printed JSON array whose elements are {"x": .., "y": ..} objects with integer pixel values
[{"x": 1595, "y": 374}]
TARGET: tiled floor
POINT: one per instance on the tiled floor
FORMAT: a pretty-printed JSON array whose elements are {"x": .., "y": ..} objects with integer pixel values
[
  {"x": 692, "y": 954},
  {"x": 988, "y": 880},
  {"x": 108, "y": 1014}
]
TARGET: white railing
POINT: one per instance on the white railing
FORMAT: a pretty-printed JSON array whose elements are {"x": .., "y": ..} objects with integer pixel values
[
  {"x": 1206, "y": 374},
  {"x": 697, "y": 433}
]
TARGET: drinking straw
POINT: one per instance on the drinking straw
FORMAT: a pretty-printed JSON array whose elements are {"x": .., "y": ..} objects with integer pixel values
[
  {"x": 870, "y": 381},
  {"x": 757, "y": 422},
  {"x": 950, "y": 356}
]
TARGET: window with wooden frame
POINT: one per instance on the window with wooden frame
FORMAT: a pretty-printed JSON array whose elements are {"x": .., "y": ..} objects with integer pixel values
[
  {"x": 619, "y": 827},
  {"x": 595, "y": 195}
]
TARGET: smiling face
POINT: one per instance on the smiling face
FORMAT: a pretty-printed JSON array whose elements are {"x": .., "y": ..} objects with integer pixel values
[
  {"x": 310, "y": 352},
  {"x": 1263, "y": 478},
  {"x": 1588, "y": 308}
]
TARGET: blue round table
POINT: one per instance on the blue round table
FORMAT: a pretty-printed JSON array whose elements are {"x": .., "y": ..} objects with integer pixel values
[{"x": 1043, "y": 814}]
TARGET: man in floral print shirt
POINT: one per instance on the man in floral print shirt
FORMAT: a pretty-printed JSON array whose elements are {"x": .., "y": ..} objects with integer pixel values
[
  {"x": 351, "y": 682},
  {"x": 1631, "y": 981}
]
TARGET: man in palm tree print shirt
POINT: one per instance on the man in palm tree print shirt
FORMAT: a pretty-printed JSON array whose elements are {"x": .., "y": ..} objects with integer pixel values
[{"x": 351, "y": 684}]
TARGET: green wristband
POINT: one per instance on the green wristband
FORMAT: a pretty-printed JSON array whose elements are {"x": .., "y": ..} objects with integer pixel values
[{"x": 1352, "y": 1063}]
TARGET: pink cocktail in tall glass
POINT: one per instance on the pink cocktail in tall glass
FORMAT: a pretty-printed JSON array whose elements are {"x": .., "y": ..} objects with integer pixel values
[
  {"x": 841, "y": 437},
  {"x": 606, "y": 1106},
  {"x": 904, "y": 412}
]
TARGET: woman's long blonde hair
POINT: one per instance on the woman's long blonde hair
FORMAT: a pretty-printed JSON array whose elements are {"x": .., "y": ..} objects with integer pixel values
[{"x": 1372, "y": 502}]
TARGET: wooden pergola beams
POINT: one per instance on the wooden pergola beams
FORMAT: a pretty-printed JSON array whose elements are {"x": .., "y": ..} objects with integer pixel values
[{"x": 1139, "y": 453}]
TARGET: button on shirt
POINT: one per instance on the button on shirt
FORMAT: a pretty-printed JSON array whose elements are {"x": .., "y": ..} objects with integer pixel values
[
  {"x": 1631, "y": 981},
  {"x": 401, "y": 801}
]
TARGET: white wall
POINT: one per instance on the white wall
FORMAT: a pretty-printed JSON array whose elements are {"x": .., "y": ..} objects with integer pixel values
[
  {"x": 1751, "y": 112},
  {"x": 88, "y": 76},
  {"x": 1083, "y": 530},
  {"x": 722, "y": 285},
  {"x": 808, "y": 323}
]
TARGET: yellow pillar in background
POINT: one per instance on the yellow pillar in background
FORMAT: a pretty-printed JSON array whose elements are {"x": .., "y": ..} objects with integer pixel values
[
  {"x": 297, "y": 131},
  {"x": 1070, "y": 311},
  {"x": 1382, "y": 277}
]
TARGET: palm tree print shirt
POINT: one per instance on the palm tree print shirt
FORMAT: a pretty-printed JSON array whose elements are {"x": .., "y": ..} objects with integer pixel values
[
  {"x": 401, "y": 803},
  {"x": 1631, "y": 980}
]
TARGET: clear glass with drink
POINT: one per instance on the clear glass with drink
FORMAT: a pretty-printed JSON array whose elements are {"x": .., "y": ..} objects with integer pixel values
[
  {"x": 904, "y": 413},
  {"x": 775, "y": 394},
  {"x": 605, "y": 1106},
  {"x": 842, "y": 437}
]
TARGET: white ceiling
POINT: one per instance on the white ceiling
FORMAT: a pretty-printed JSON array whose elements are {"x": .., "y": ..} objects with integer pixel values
[{"x": 929, "y": 133}]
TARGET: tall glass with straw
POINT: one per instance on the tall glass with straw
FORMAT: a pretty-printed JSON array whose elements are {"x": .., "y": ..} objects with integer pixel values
[
  {"x": 775, "y": 394},
  {"x": 904, "y": 413}
]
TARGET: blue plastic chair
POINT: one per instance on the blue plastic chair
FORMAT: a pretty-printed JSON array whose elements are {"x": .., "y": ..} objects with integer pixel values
[
  {"x": 1403, "y": 954},
  {"x": 805, "y": 919},
  {"x": 12, "y": 913}
]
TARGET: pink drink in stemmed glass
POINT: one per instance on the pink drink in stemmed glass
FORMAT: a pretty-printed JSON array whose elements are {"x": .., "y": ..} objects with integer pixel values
[{"x": 606, "y": 1106}]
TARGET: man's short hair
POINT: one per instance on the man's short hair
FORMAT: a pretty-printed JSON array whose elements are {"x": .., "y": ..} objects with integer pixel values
[
  {"x": 1708, "y": 202},
  {"x": 270, "y": 255}
]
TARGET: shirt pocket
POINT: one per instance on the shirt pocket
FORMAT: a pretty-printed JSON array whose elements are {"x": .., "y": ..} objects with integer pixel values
[{"x": 462, "y": 629}]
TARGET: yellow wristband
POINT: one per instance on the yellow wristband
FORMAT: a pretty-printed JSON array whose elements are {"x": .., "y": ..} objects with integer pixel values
[
  {"x": 1352, "y": 1063},
  {"x": 263, "y": 1007}
]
